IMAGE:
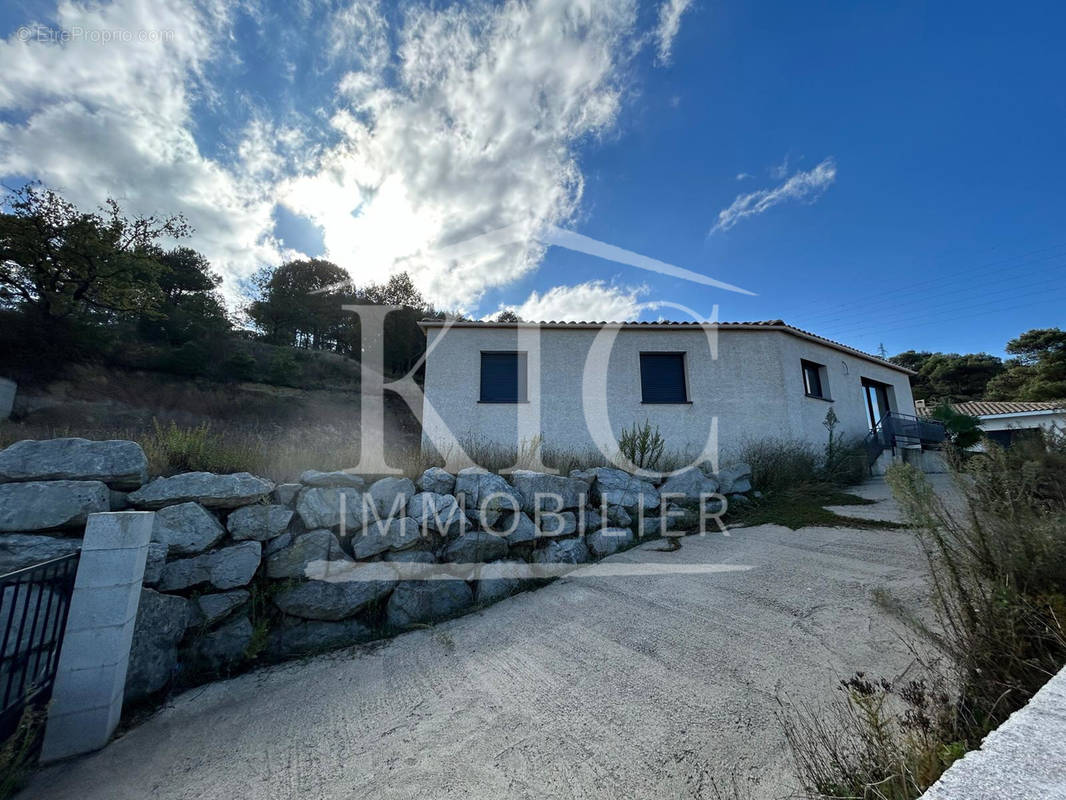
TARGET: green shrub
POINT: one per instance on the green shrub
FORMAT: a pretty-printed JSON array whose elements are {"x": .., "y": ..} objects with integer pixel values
[
  {"x": 962, "y": 430},
  {"x": 779, "y": 464},
  {"x": 996, "y": 553},
  {"x": 642, "y": 445},
  {"x": 172, "y": 449}
]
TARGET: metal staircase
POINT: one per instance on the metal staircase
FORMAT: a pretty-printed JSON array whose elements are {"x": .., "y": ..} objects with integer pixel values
[{"x": 895, "y": 431}]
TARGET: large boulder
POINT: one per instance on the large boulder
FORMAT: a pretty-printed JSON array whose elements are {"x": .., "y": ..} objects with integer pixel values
[
  {"x": 389, "y": 496},
  {"x": 609, "y": 540},
  {"x": 154, "y": 563},
  {"x": 328, "y": 480},
  {"x": 306, "y": 549},
  {"x": 735, "y": 479},
  {"x": 475, "y": 546},
  {"x": 617, "y": 488},
  {"x": 161, "y": 623},
  {"x": 186, "y": 529},
  {"x": 285, "y": 494},
  {"x": 554, "y": 525},
  {"x": 326, "y": 508},
  {"x": 414, "y": 555},
  {"x": 396, "y": 534},
  {"x": 690, "y": 484},
  {"x": 223, "y": 648},
  {"x": 436, "y": 480},
  {"x": 415, "y": 602},
  {"x": 297, "y": 637},
  {"x": 42, "y": 506},
  {"x": 497, "y": 581},
  {"x": 205, "y": 488},
  {"x": 227, "y": 568},
  {"x": 20, "y": 550},
  {"x": 549, "y": 492},
  {"x": 210, "y": 608},
  {"x": 258, "y": 522},
  {"x": 330, "y": 600},
  {"x": 517, "y": 528},
  {"x": 119, "y": 464},
  {"x": 436, "y": 512},
  {"x": 562, "y": 551},
  {"x": 485, "y": 495}
]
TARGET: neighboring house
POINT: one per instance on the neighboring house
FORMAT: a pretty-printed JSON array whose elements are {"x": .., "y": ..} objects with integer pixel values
[
  {"x": 1004, "y": 421},
  {"x": 578, "y": 384}
]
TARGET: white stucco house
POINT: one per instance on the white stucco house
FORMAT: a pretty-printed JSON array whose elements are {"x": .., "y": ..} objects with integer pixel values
[
  {"x": 708, "y": 387},
  {"x": 1004, "y": 421}
]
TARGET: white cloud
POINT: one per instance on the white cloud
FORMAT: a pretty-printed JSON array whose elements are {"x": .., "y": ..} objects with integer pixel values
[
  {"x": 443, "y": 123},
  {"x": 476, "y": 132},
  {"x": 807, "y": 186},
  {"x": 591, "y": 301},
  {"x": 113, "y": 118},
  {"x": 743, "y": 176},
  {"x": 670, "y": 13}
]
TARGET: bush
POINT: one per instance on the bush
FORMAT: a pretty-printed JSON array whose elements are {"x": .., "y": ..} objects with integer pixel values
[
  {"x": 779, "y": 464},
  {"x": 642, "y": 446},
  {"x": 996, "y": 552},
  {"x": 172, "y": 449}
]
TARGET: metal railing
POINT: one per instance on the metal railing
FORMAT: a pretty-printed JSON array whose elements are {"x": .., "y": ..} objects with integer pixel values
[
  {"x": 34, "y": 603},
  {"x": 895, "y": 429}
]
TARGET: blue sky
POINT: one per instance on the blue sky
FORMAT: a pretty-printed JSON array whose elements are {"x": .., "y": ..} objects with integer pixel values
[{"x": 886, "y": 175}]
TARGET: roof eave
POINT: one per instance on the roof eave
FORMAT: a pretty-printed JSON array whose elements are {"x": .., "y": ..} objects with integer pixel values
[{"x": 732, "y": 326}]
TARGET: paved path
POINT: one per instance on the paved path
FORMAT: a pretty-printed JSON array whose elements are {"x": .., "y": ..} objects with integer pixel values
[{"x": 587, "y": 688}]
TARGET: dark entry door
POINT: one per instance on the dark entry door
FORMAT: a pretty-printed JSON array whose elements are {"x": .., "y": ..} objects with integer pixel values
[{"x": 876, "y": 400}]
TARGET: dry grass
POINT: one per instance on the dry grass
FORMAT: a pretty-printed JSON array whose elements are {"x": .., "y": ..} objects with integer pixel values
[{"x": 997, "y": 573}]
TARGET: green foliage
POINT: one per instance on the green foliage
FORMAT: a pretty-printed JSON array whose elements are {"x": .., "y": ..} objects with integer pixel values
[
  {"x": 779, "y": 464},
  {"x": 1039, "y": 370},
  {"x": 997, "y": 573},
  {"x": 642, "y": 445},
  {"x": 58, "y": 262},
  {"x": 283, "y": 368},
  {"x": 19, "y": 752},
  {"x": 963, "y": 431},
  {"x": 804, "y": 506},
  {"x": 881, "y": 742},
  {"x": 172, "y": 449},
  {"x": 949, "y": 376}
]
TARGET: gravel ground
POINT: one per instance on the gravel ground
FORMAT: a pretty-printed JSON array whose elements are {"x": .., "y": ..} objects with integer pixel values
[{"x": 635, "y": 686}]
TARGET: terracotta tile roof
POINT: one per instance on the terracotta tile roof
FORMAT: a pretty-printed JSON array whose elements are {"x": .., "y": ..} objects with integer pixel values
[
  {"x": 987, "y": 408},
  {"x": 773, "y": 324}
]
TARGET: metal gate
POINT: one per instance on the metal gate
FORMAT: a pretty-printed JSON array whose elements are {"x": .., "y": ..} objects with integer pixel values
[{"x": 34, "y": 602}]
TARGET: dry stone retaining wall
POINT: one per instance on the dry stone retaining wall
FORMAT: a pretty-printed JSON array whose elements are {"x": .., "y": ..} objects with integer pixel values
[{"x": 241, "y": 570}]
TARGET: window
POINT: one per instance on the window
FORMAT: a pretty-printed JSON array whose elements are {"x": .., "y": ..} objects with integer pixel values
[
  {"x": 662, "y": 378},
  {"x": 503, "y": 377},
  {"x": 813, "y": 383}
]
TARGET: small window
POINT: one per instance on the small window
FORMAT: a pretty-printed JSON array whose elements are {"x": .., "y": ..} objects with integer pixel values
[
  {"x": 662, "y": 378},
  {"x": 812, "y": 379},
  {"x": 503, "y": 377}
]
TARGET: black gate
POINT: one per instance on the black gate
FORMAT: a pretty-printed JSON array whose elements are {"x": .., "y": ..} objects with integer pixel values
[{"x": 33, "y": 612}]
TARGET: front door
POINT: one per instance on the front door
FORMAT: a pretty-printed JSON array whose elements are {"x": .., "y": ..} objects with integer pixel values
[{"x": 876, "y": 400}]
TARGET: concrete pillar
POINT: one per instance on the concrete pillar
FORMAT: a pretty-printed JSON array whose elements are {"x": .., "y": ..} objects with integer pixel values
[
  {"x": 7, "y": 397},
  {"x": 87, "y": 698}
]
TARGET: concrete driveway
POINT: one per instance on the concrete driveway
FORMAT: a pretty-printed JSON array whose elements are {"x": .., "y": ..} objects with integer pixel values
[{"x": 635, "y": 686}]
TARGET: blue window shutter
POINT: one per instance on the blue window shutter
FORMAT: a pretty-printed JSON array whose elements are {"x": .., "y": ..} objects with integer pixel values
[
  {"x": 662, "y": 378},
  {"x": 503, "y": 377}
]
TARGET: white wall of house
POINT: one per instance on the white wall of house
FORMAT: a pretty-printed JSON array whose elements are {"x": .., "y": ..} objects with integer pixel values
[
  {"x": 1025, "y": 420},
  {"x": 754, "y": 387}
]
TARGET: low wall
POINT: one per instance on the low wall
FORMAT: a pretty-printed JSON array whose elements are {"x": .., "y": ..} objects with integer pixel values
[
  {"x": 242, "y": 571},
  {"x": 1025, "y": 757}
]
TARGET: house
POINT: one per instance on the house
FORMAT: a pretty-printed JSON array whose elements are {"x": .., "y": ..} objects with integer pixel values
[
  {"x": 709, "y": 388},
  {"x": 1004, "y": 421}
]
